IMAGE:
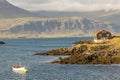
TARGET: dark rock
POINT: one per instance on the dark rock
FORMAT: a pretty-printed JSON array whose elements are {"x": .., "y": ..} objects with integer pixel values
[
  {"x": 85, "y": 42},
  {"x": 87, "y": 52},
  {"x": 1, "y": 42}
]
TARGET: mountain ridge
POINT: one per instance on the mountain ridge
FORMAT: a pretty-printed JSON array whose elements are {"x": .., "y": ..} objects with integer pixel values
[
  {"x": 113, "y": 17},
  {"x": 7, "y": 10},
  {"x": 87, "y": 14},
  {"x": 55, "y": 27},
  {"x": 17, "y": 22}
]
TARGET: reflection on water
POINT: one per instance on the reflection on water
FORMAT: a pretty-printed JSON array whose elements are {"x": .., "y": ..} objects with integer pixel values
[{"x": 19, "y": 76}]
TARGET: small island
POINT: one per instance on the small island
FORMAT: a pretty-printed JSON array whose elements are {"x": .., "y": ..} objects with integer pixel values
[
  {"x": 1, "y": 42},
  {"x": 104, "y": 49}
]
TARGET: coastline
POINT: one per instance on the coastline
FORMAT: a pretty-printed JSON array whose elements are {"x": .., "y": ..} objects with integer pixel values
[{"x": 88, "y": 52}]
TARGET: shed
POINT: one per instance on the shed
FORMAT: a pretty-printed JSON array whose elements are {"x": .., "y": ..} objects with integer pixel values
[{"x": 101, "y": 35}]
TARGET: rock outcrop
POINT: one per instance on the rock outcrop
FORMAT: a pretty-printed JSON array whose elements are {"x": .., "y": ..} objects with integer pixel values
[
  {"x": 86, "y": 52},
  {"x": 1, "y": 42}
]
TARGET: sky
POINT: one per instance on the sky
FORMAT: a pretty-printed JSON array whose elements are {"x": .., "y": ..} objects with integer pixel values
[{"x": 67, "y": 5}]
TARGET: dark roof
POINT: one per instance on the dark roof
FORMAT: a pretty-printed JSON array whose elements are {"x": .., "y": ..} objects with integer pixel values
[{"x": 98, "y": 31}]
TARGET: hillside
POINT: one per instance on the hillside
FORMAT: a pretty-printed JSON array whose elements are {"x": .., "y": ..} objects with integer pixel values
[
  {"x": 112, "y": 16},
  {"x": 7, "y": 10},
  {"x": 52, "y": 27},
  {"x": 16, "y": 22},
  {"x": 85, "y": 14}
]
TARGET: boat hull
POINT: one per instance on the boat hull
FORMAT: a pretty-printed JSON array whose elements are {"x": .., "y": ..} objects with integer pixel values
[{"x": 20, "y": 70}]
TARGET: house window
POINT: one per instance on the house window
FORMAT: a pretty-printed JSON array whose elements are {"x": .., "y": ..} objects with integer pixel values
[{"x": 100, "y": 35}]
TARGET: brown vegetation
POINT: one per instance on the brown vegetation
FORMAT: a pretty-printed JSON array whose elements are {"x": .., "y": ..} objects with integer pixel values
[{"x": 89, "y": 53}]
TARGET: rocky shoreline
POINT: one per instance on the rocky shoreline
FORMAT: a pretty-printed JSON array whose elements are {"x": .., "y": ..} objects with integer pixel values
[
  {"x": 88, "y": 52},
  {"x": 1, "y": 42}
]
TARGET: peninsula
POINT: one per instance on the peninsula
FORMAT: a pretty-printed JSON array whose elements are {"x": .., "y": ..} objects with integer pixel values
[{"x": 89, "y": 52}]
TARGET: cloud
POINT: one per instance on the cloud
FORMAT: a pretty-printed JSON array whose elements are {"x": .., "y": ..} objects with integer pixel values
[
  {"x": 67, "y": 5},
  {"x": 30, "y": 1}
]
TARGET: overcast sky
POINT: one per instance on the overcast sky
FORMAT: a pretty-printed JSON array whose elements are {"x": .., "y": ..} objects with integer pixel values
[{"x": 67, "y": 5}]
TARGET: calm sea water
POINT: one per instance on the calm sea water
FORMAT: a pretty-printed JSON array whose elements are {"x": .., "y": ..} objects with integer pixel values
[{"x": 20, "y": 51}]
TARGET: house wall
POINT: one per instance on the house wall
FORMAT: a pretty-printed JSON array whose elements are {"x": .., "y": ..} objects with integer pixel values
[{"x": 103, "y": 35}]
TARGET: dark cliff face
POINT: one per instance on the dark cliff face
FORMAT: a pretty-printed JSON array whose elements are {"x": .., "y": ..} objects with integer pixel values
[
  {"x": 63, "y": 25},
  {"x": 7, "y": 10}
]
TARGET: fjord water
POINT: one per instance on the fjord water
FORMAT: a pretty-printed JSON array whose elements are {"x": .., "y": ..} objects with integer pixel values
[{"x": 20, "y": 51}]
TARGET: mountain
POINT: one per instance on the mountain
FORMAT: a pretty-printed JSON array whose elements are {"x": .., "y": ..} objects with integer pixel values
[
  {"x": 112, "y": 16},
  {"x": 55, "y": 27},
  {"x": 63, "y": 25},
  {"x": 86, "y": 14},
  {"x": 22, "y": 23},
  {"x": 7, "y": 10}
]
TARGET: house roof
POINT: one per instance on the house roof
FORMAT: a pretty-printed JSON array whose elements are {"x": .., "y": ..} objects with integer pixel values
[{"x": 98, "y": 31}]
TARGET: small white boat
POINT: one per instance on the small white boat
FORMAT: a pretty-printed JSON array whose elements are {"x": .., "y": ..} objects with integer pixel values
[{"x": 19, "y": 69}]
